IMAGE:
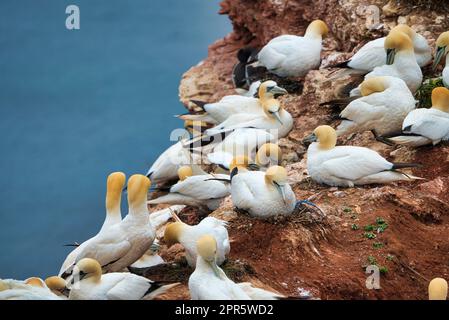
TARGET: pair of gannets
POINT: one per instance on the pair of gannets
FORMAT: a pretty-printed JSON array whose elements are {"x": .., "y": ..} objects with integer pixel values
[
  {"x": 400, "y": 62},
  {"x": 196, "y": 190},
  {"x": 30, "y": 289},
  {"x": 442, "y": 44},
  {"x": 347, "y": 166},
  {"x": 123, "y": 243},
  {"x": 261, "y": 194},
  {"x": 234, "y": 104},
  {"x": 427, "y": 126},
  {"x": 384, "y": 104},
  {"x": 209, "y": 282},
  {"x": 90, "y": 284},
  {"x": 294, "y": 56},
  {"x": 373, "y": 54},
  {"x": 438, "y": 289},
  {"x": 187, "y": 236}
]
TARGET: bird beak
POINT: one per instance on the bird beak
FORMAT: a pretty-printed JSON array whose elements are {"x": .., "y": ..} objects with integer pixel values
[
  {"x": 438, "y": 56},
  {"x": 281, "y": 189},
  {"x": 309, "y": 139},
  {"x": 65, "y": 291},
  {"x": 278, "y": 117},
  {"x": 215, "y": 268},
  {"x": 278, "y": 91},
  {"x": 390, "y": 56},
  {"x": 253, "y": 167}
]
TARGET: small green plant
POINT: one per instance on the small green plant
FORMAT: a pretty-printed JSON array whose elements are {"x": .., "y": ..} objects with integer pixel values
[
  {"x": 354, "y": 226},
  {"x": 372, "y": 261},
  {"x": 380, "y": 220},
  {"x": 378, "y": 245},
  {"x": 369, "y": 227},
  {"x": 369, "y": 235},
  {"x": 347, "y": 210},
  {"x": 383, "y": 269},
  {"x": 390, "y": 257},
  {"x": 424, "y": 93}
]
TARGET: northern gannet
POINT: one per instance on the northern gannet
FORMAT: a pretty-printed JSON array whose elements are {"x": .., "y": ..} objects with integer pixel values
[
  {"x": 90, "y": 284},
  {"x": 58, "y": 286},
  {"x": 373, "y": 54},
  {"x": 30, "y": 289},
  {"x": 347, "y": 166},
  {"x": 427, "y": 126},
  {"x": 294, "y": 56},
  {"x": 114, "y": 186},
  {"x": 438, "y": 289},
  {"x": 230, "y": 105},
  {"x": 209, "y": 282},
  {"x": 384, "y": 104},
  {"x": 198, "y": 191},
  {"x": 442, "y": 44},
  {"x": 124, "y": 243},
  {"x": 400, "y": 62},
  {"x": 187, "y": 236},
  {"x": 261, "y": 194}
]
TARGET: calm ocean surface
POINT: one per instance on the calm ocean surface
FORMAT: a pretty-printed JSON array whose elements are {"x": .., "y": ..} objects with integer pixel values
[{"x": 77, "y": 105}]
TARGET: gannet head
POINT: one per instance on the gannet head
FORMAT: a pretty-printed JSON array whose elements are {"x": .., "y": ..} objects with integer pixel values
[
  {"x": 89, "y": 268},
  {"x": 277, "y": 176},
  {"x": 268, "y": 153},
  {"x": 240, "y": 163},
  {"x": 35, "y": 282},
  {"x": 372, "y": 85},
  {"x": 442, "y": 45},
  {"x": 269, "y": 90},
  {"x": 438, "y": 289},
  {"x": 395, "y": 42},
  {"x": 317, "y": 28},
  {"x": 184, "y": 172},
  {"x": 57, "y": 284},
  {"x": 272, "y": 108},
  {"x": 207, "y": 248},
  {"x": 138, "y": 186},
  {"x": 173, "y": 232},
  {"x": 325, "y": 136},
  {"x": 405, "y": 29},
  {"x": 440, "y": 99},
  {"x": 114, "y": 186}
]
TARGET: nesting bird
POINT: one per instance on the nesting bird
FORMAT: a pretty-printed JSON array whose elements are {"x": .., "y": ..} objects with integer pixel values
[
  {"x": 58, "y": 286},
  {"x": 92, "y": 285},
  {"x": 427, "y": 126},
  {"x": 31, "y": 289},
  {"x": 384, "y": 104},
  {"x": 209, "y": 282},
  {"x": 114, "y": 186},
  {"x": 261, "y": 194},
  {"x": 373, "y": 54},
  {"x": 438, "y": 289},
  {"x": 187, "y": 236},
  {"x": 347, "y": 166},
  {"x": 198, "y": 191},
  {"x": 123, "y": 243},
  {"x": 442, "y": 44},
  {"x": 294, "y": 56},
  {"x": 400, "y": 62}
]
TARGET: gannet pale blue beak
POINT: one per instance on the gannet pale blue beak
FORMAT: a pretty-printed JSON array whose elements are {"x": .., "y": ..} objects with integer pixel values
[
  {"x": 278, "y": 117},
  {"x": 309, "y": 139},
  {"x": 281, "y": 189},
  {"x": 438, "y": 56},
  {"x": 390, "y": 56},
  {"x": 278, "y": 91}
]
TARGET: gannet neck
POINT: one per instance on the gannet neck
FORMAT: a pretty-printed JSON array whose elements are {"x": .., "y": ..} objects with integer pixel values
[
  {"x": 440, "y": 99},
  {"x": 327, "y": 137},
  {"x": 138, "y": 186},
  {"x": 204, "y": 267}
]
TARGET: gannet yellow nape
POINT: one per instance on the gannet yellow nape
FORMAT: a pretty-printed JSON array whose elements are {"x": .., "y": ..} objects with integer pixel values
[{"x": 438, "y": 289}]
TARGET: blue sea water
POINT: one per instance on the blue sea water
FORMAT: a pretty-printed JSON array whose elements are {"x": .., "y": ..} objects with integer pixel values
[{"x": 76, "y": 105}]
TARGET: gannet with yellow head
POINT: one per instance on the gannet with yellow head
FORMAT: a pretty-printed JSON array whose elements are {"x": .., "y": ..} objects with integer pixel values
[
  {"x": 114, "y": 186},
  {"x": 90, "y": 284},
  {"x": 384, "y": 104},
  {"x": 373, "y": 54},
  {"x": 209, "y": 282},
  {"x": 187, "y": 236},
  {"x": 438, "y": 289},
  {"x": 33, "y": 288},
  {"x": 124, "y": 243},
  {"x": 427, "y": 126},
  {"x": 294, "y": 56},
  {"x": 442, "y": 45},
  {"x": 262, "y": 194},
  {"x": 198, "y": 191},
  {"x": 58, "y": 286},
  {"x": 347, "y": 166},
  {"x": 400, "y": 62}
]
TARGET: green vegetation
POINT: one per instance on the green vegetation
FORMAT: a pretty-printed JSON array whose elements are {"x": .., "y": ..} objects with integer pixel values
[
  {"x": 354, "y": 226},
  {"x": 378, "y": 245},
  {"x": 369, "y": 235},
  {"x": 424, "y": 93}
]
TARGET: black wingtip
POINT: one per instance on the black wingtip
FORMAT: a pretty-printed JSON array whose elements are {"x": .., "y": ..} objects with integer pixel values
[
  {"x": 402, "y": 165},
  {"x": 343, "y": 64}
]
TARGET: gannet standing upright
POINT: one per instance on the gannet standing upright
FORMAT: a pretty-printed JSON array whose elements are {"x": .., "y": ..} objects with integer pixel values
[
  {"x": 384, "y": 104},
  {"x": 427, "y": 126},
  {"x": 347, "y": 166},
  {"x": 209, "y": 282},
  {"x": 442, "y": 44},
  {"x": 400, "y": 63},
  {"x": 114, "y": 186},
  {"x": 294, "y": 56},
  {"x": 187, "y": 236}
]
